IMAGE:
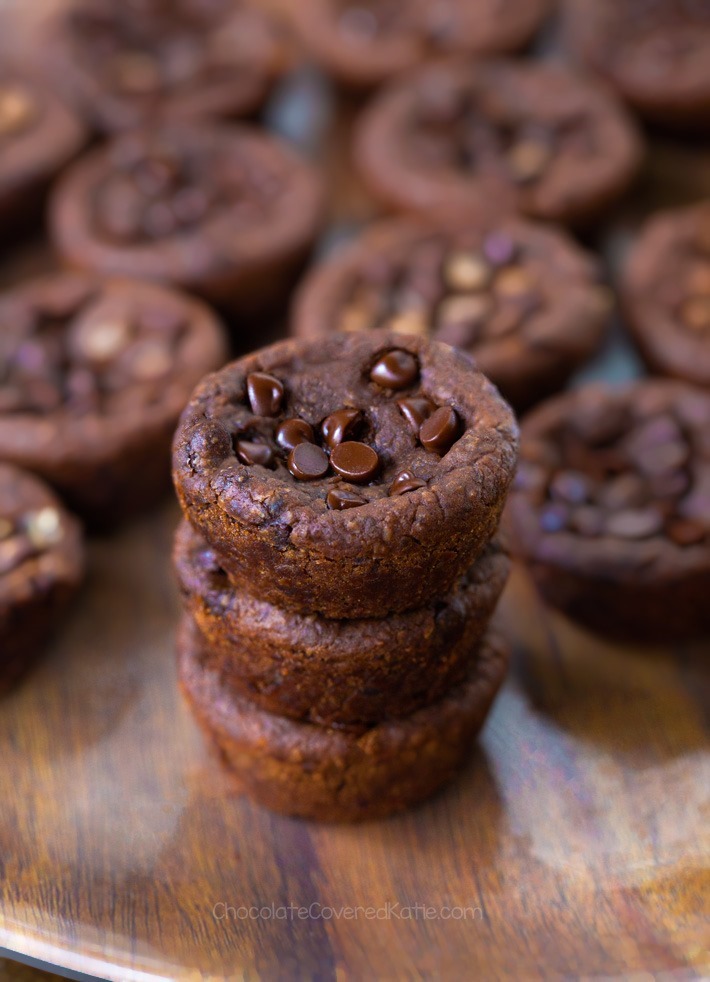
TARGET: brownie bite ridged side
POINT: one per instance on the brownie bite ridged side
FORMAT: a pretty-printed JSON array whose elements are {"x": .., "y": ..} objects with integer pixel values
[
  {"x": 611, "y": 508},
  {"x": 457, "y": 137},
  {"x": 348, "y": 673},
  {"x": 96, "y": 374},
  {"x": 329, "y": 775},
  {"x": 41, "y": 567},
  {"x": 351, "y": 476},
  {"x": 523, "y": 299}
]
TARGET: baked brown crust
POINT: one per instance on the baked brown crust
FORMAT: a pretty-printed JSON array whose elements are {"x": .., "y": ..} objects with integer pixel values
[
  {"x": 365, "y": 44},
  {"x": 97, "y": 372},
  {"x": 457, "y": 138},
  {"x": 654, "y": 55},
  {"x": 331, "y": 775},
  {"x": 124, "y": 65},
  {"x": 666, "y": 293},
  {"x": 538, "y": 311},
  {"x": 41, "y": 567},
  {"x": 350, "y": 674},
  {"x": 277, "y": 537},
  {"x": 225, "y": 211},
  {"x": 611, "y": 508}
]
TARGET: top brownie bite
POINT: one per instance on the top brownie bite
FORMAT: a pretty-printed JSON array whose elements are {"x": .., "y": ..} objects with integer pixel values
[
  {"x": 350, "y": 476},
  {"x": 124, "y": 63},
  {"x": 365, "y": 42}
]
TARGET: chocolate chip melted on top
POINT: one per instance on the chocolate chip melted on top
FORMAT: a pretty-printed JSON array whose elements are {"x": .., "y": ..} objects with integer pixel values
[
  {"x": 341, "y": 455},
  {"x": 610, "y": 471},
  {"x": 69, "y": 346}
]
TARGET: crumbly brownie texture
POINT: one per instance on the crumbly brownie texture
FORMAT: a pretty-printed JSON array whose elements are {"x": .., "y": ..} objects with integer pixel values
[
  {"x": 38, "y": 136},
  {"x": 350, "y": 476},
  {"x": 337, "y": 673},
  {"x": 611, "y": 508},
  {"x": 654, "y": 54},
  {"x": 125, "y": 63},
  {"x": 366, "y": 42},
  {"x": 457, "y": 137},
  {"x": 522, "y": 298},
  {"x": 331, "y": 775},
  {"x": 223, "y": 210},
  {"x": 41, "y": 566},
  {"x": 666, "y": 291},
  {"x": 94, "y": 376}
]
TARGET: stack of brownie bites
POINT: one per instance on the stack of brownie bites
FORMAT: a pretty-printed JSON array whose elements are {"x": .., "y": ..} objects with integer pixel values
[{"x": 339, "y": 565}]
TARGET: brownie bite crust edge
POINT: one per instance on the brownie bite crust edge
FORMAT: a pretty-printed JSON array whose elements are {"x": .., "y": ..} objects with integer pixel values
[
  {"x": 611, "y": 508},
  {"x": 521, "y": 298},
  {"x": 330, "y": 775},
  {"x": 41, "y": 567},
  {"x": 348, "y": 673},
  {"x": 422, "y": 450},
  {"x": 456, "y": 137},
  {"x": 96, "y": 373}
]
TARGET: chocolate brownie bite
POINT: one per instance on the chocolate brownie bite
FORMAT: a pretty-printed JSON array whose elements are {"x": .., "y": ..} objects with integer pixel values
[
  {"x": 93, "y": 376},
  {"x": 655, "y": 55},
  {"x": 41, "y": 567},
  {"x": 611, "y": 508},
  {"x": 350, "y": 674},
  {"x": 126, "y": 64},
  {"x": 456, "y": 137},
  {"x": 225, "y": 211},
  {"x": 38, "y": 136},
  {"x": 333, "y": 775},
  {"x": 365, "y": 42},
  {"x": 666, "y": 293},
  {"x": 522, "y": 298},
  {"x": 352, "y": 476}
]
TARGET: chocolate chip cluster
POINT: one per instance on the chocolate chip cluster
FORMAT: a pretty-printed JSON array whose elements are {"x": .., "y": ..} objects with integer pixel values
[{"x": 311, "y": 455}]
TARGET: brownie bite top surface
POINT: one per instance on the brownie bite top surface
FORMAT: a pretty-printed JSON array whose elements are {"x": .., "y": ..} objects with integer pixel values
[
  {"x": 126, "y": 62},
  {"x": 88, "y": 363},
  {"x": 536, "y": 135},
  {"x": 336, "y": 433},
  {"x": 616, "y": 484},
  {"x": 185, "y": 202},
  {"x": 666, "y": 289}
]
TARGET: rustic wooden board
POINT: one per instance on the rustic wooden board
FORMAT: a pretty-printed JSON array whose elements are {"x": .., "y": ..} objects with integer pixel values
[{"x": 577, "y": 839}]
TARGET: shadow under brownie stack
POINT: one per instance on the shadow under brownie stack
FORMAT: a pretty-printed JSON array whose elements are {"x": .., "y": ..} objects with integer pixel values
[{"x": 339, "y": 564}]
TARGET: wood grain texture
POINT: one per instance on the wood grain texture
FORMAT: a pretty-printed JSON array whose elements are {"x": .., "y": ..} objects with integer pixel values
[{"x": 577, "y": 838}]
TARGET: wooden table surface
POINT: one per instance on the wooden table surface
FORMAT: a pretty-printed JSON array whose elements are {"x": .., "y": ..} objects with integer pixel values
[{"x": 577, "y": 841}]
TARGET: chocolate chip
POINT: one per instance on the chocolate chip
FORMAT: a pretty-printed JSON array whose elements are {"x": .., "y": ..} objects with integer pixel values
[
  {"x": 466, "y": 272},
  {"x": 441, "y": 430},
  {"x": 355, "y": 461},
  {"x": 150, "y": 360},
  {"x": 292, "y": 432},
  {"x": 396, "y": 370},
  {"x": 415, "y": 410},
  {"x": 634, "y": 523},
  {"x": 686, "y": 532},
  {"x": 572, "y": 487},
  {"x": 468, "y": 310},
  {"x": 409, "y": 322},
  {"x": 265, "y": 394},
  {"x": 625, "y": 491},
  {"x": 528, "y": 159},
  {"x": 588, "y": 520},
  {"x": 17, "y": 109},
  {"x": 514, "y": 281},
  {"x": 339, "y": 499},
  {"x": 339, "y": 426},
  {"x": 404, "y": 482},
  {"x": 554, "y": 517},
  {"x": 499, "y": 249},
  {"x": 251, "y": 453},
  {"x": 308, "y": 462},
  {"x": 101, "y": 340},
  {"x": 43, "y": 527}
]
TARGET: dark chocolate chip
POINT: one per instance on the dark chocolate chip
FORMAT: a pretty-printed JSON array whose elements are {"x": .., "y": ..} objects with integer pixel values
[
  {"x": 570, "y": 486},
  {"x": 339, "y": 499},
  {"x": 499, "y": 249},
  {"x": 265, "y": 393},
  {"x": 308, "y": 462},
  {"x": 406, "y": 481},
  {"x": 292, "y": 432},
  {"x": 440, "y": 430},
  {"x": 339, "y": 426},
  {"x": 416, "y": 410},
  {"x": 254, "y": 453},
  {"x": 397, "y": 369},
  {"x": 554, "y": 517},
  {"x": 355, "y": 461},
  {"x": 634, "y": 523}
]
